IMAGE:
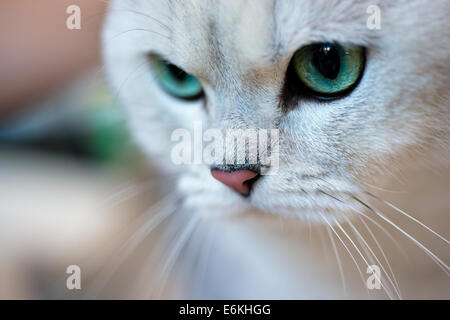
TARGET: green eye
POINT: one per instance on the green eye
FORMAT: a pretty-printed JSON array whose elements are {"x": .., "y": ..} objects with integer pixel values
[
  {"x": 176, "y": 82},
  {"x": 329, "y": 70}
]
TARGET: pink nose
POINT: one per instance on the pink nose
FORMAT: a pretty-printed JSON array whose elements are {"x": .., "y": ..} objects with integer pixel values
[{"x": 236, "y": 180}]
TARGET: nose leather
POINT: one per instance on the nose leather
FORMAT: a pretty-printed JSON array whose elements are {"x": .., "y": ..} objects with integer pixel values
[{"x": 236, "y": 180}]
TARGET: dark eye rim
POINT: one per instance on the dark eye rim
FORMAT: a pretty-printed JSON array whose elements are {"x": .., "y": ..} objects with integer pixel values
[
  {"x": 294, "y": 89},
  {"x": 159, "y": 59}
]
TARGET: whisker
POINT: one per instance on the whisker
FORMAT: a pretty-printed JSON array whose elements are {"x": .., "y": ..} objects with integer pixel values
[
  {"x": 410, "y": 217},
  {"x": 374, "y": 222},
  {"x": 128, "y": 77},
  {"x": 435, "y": 258},
  {"x": 165, "y": 26},
  {"x": 383, "y": 189},
  {"x": 382, "y": 252},
  {"x": 323, "y": 246},
  {"x": 146, "y": 227},
  {"x": 362, "y": 256},
  {"x": 388, "y": 234},
  {"x": 366, "y": 247},
  {"x": 138, "y": 12},
  {"x": 174, "y": 253},
  {"x": 347, "y": 249},
  {"x": 131, "y": 190},
  {"x": 137, "y": 29},
  {"x": 338, "y": 259},
  {"x": 126, "y": 193}
]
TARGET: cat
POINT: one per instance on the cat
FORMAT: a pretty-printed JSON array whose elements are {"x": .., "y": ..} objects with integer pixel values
[{"x": 363, "y": 120}]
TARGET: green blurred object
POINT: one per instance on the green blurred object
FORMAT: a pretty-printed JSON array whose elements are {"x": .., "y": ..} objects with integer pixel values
[
  {"x": 108, "y": 136},
  {"x": 85, "y": 121}
]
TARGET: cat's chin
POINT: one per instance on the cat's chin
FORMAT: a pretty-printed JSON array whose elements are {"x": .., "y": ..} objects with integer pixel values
[
  {"x": 315, "y": 215},
  {"x": 292, "y": 217}
]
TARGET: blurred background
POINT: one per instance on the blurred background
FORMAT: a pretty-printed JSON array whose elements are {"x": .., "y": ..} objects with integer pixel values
[{"x": 71, "y": 181}]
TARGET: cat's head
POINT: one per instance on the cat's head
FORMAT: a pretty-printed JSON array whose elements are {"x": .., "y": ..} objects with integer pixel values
[{"x": 350, "y": 99}]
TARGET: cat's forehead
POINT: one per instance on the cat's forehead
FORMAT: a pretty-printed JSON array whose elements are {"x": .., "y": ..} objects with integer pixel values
[
  {"x": 248, "y": 33},
  {"x": 223, "y": 30}
]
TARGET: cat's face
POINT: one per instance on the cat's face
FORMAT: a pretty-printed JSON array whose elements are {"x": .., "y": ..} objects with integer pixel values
[{"x": 239, "y": 54}]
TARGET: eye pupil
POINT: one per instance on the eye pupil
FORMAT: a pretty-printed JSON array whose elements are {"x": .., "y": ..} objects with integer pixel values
[
  {"x": 327, "y": 61},
  {"x": 177, "y": 73}
]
